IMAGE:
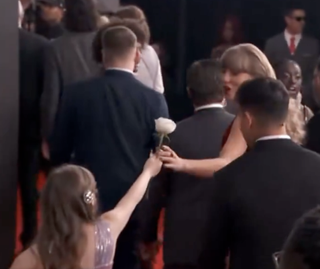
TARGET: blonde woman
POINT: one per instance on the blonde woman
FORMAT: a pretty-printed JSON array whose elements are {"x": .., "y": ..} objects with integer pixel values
[{"x": 240, "y": 63}]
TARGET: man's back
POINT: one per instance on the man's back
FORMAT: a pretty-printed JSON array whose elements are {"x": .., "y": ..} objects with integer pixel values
[
  {"x": 31, "y": 56},
  {"x": 257, "y": 199},
  {"x": 110, "y": 126},
  {"x": 198, "y": 137},
  {"x": 68, "y": 60}
]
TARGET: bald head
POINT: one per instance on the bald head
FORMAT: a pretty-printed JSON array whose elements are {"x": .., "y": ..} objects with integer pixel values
[{"x": 119, "y": 44}]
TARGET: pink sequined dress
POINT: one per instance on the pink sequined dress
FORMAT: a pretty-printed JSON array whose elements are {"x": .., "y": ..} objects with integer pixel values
[{"x": 104, "y": 246}]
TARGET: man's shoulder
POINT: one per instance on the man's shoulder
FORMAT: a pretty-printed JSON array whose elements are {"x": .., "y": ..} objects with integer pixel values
[
  {"x": 308, "y": 156},
  {"x": 32, "y": 38},
  {"x": 228, "y": 117},
  {"x": 236, "y": 166},
  {"x": 310, "y": 40},
  {"x": 146, "y": 91},
  {"x": 80, "y": 87},
  {"x": 275, "y": 38}
]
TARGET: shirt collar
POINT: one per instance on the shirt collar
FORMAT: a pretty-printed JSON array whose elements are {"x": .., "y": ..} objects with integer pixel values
[
  {"x": 215, "y": 105},
  {"x": 120, "y": 69},
  {"x": 288, "y": 36},
  {"x": 272, "y": 137}
]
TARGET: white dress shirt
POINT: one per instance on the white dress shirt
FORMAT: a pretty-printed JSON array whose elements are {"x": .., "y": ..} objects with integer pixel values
[
  {"x": 272, "y": 137},
  {"x": 215, "y": 105},
  {"x": 288, "y": 36},
  {"x": 149, "y": 69}
]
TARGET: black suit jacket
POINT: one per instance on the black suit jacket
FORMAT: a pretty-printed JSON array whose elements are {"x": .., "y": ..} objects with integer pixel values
[
  {"x": 313, "y": 133},
  {"x": 198, "y": 137},
  {"x": 31, "y": 56},
  {"x": 108, "y": 124},
  {"x": 68, "y": 60},
  {"x": 255, "y": 202}
]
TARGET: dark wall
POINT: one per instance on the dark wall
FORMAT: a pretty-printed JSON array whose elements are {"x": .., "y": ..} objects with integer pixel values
[
  {"x": 261, "y": 19},
  {"x": 8, "y": 128}
]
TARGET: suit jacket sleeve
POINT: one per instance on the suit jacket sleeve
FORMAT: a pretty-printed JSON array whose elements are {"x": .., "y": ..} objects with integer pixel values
[
  {"x": 313, "y": 134},
  {"x": 218, "y": 228},
  {"x": 160, "y": 107},
  {"x": 51, "y": 93},
  {"x": 61, "y": 142}
]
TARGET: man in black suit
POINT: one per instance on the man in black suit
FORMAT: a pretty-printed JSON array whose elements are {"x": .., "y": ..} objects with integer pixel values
[
  {"x": 31, "y": 54},
  {"x": 197, "y": 137},
  {"x": 257, "y": 198},
  {"x": 292, "y": 44},
  {"x": 313, "y": 126},
  {"x": 107, "y": 124}
]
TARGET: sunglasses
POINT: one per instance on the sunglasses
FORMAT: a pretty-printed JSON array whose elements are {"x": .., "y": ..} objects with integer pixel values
[{"x": 300, "y": 19}]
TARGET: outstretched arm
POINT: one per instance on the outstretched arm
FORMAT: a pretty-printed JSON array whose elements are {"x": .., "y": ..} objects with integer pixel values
[
  {"x": 234, "y": 148},
  {"x": 119, "y": 216}
]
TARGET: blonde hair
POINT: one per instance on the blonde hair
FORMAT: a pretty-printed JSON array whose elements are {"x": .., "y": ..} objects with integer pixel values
[{"x": 247, "y": 58}]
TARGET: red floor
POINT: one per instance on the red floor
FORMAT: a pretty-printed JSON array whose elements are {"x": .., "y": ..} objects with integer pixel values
[{"x": 158, "y": 261}]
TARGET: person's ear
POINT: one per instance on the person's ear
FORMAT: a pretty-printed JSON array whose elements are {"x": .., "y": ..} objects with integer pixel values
[
  {"x": 137, "y": 60},
  {"x": 248, "y": 118}
]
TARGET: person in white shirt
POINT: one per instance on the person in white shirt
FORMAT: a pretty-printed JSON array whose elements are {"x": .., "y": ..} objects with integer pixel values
[{"x": 149, "y": 69}]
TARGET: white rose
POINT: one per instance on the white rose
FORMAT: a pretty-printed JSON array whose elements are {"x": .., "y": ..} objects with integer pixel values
[{"x": 165, "y": 126}]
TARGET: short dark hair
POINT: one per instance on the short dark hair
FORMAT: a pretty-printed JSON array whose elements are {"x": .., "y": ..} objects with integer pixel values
[
  {"x": 81, "y": 16},
  {"x": 292, "y": 6},
  {"x": 305, "y": 239},
  {"x": 134, "y": 25},
  {"x": 204, "y": 81},
  {"x": 118, "y": 41},
  {"x": 266, "y": 98}
]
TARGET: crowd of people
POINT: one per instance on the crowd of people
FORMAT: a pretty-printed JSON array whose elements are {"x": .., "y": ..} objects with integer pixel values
[{"x": 237, "y": 179}]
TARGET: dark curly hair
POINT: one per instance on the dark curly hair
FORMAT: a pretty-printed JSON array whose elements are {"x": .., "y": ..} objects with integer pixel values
[
  {"x": 305, "y": 239},
  {"x": 81, "y": 16},
  {"x": 134, "y": 25}
]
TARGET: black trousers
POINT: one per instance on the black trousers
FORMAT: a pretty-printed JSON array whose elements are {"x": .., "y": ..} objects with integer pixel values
[
  {"x": 127, "y": 255},
  {"x": 29, "y": 165}
]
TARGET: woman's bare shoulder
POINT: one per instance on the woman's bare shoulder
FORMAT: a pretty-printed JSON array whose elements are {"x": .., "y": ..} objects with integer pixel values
[{"x": 27, "y": 260}]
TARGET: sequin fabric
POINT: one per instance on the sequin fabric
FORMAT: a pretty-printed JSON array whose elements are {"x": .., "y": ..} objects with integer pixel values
[{"x": 104, "y": 246}]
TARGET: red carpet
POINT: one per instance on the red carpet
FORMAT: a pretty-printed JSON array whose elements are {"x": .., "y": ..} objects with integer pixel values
[{"x": 41, "y": 181}]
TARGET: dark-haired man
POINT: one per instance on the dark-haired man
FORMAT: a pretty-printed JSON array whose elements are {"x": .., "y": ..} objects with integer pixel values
[
  {"x": 301, "y": 249},
  {"x": 31, "y": 76},
  {"x": 257, "y": 198},
  {"x": 108, "y": 123},
  {"x": 49, "y": 18},
  {"x": 294, "y": 45},
  {"x": 313, "y": 126},
  {"x": 198, "y": 137}
]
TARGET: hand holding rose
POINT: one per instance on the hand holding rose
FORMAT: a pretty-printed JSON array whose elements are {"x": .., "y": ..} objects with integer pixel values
[
  {"x": 164, "y": 127},
  {"x": 171, "y": 160}
]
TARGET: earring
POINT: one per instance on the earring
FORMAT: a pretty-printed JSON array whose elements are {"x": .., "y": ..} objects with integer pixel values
[{"x": 88, "y": 197}]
